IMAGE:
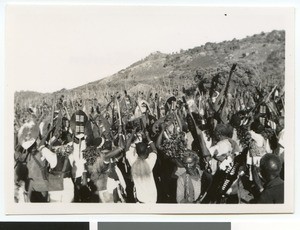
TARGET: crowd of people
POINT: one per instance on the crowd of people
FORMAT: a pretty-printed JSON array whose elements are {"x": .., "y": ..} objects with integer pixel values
[{"x": 196, "y": 145}]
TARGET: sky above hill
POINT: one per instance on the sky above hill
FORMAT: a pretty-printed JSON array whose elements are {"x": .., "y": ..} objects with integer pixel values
[{"x": 53, "y": 47}]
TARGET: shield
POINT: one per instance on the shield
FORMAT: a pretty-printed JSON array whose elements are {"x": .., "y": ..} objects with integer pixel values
[{"x": 78, "y": 122}]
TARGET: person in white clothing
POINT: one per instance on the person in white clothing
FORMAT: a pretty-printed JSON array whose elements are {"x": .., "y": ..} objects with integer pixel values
[
  {"x": 224, "y": 151},
  {"x": 142, "y": 165},
  {"x": 259, "y": 146},
  {"x": 63, "y": 170}
]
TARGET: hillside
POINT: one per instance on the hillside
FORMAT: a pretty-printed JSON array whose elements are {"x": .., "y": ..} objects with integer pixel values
[{"x": 260, "y": 59}]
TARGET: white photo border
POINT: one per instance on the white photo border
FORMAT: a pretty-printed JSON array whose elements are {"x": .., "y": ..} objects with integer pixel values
[{"x": 183, "y": 209}]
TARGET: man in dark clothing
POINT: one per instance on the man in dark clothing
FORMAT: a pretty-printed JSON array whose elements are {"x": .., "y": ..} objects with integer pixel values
[{"x": 273, "y": 189}]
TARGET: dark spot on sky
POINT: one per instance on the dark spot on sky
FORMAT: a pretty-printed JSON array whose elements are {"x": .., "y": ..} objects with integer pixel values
[{"x": 225, "y": 14}]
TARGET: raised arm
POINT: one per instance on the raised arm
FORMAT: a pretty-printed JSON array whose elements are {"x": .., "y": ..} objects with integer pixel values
[
  {"x": 150, "y": 142},
  {"x": 159, "y": 139},
  {"x": 205, "y": 151},
  {"x": 129, "y": 140}
]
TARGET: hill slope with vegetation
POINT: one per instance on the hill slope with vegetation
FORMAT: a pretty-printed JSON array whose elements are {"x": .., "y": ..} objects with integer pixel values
[{"x": 260, "y": 62}]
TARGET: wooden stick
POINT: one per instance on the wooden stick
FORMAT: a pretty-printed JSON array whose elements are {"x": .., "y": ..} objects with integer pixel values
[{"x": 119, "y": 111}]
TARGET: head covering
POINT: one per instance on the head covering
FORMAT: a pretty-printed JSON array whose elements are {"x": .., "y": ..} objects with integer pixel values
[
  {"x": 78, "y": 122},
  {"x": 141, "y": 108},
  {"x": 28, "y": 134},
  {"x": 192, "y": 105}
]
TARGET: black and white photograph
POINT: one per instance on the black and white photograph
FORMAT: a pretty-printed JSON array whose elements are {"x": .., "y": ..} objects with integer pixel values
[{"x": 149, "y": 109}]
